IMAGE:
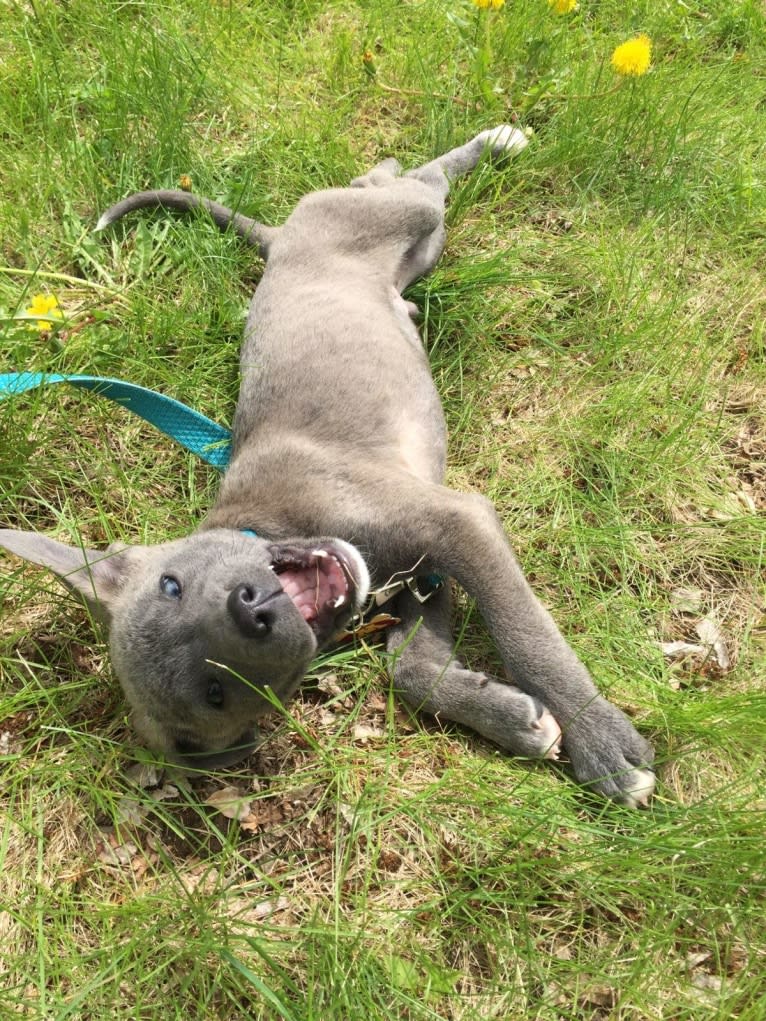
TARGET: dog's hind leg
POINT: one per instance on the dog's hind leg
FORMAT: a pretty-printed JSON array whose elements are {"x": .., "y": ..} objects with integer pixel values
[
  {"x": 428, "y": 677},
  {"x": 498, "y": 142},
  {"x": 380, "y": 175}
]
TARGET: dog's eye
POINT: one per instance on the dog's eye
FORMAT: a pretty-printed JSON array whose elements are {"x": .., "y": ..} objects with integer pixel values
[
  {"x": 170, "y": 586},
  {"x": 214, "y": 694}
]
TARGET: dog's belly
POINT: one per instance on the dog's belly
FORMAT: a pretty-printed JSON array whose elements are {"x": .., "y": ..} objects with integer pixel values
[
  {"x": 421, "y": 451},
  {"x": 341, "y": 366}
]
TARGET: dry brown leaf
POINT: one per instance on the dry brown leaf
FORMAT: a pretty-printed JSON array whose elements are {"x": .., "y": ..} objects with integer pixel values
[
  {"x": 687, "y": 600},
  {"x": 263, "y": 813},
  {"x": 404, "y": 721},
  {"x": 269, "y": 907},
  {"x": 703, "y": 980},
  {"x": 129, "y": 812},
  {"x": 117, "y": 854},
  {"x": 348, "y": 813},
  {"x": 389, "y": 861},
  {"x": 327, "y": 719},
  {"x": 676, "y": 652},
  {"x": 554, "y": 994},
  {"x": 200, "y": 877},
  {"x": 710, "y": 634},
  {"x": 243, "y": 909},
  {"x": 230, "y": 802},
  {"x": 165, "y": 792},
  {"x": 144, "y": 774},
  {"x": 364, "y": 733},
  {"x": 684, "y": 658},
  {"x": 599, "y": 996},
  {"x": 376, "y": 703},
  {"x": 710, "y": 656},
  {"x": 692, "y": 960},
  {"x": 328, "y": 685},
  {"x": 684, "y": 513},
  {"x": 733, "y": 506}
]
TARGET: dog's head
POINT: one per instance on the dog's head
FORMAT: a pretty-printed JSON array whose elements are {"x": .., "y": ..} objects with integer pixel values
[{"x": 208, "y": 632}]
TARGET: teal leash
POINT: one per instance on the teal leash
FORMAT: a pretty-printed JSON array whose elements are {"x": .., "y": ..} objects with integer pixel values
[{"x": 194, "y": 431}]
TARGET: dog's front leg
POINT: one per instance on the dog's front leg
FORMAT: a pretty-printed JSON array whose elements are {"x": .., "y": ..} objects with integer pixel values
[
  {"x": 464, "y": 538},
  {"x": 429, "y": 678}
]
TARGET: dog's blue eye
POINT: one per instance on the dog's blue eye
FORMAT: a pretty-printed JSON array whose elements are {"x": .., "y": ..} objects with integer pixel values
[
  {"x": 170, "y": 586},
  {"x": 214, "y": 695}
]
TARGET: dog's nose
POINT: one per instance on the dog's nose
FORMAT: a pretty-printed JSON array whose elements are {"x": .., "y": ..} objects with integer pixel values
[{"x": 247, "y": 606}]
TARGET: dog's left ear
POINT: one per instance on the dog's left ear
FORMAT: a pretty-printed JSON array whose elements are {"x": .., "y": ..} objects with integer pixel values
[{"x": 94, "y": 575}]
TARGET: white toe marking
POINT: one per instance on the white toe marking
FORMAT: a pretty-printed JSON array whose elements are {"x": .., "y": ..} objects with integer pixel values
[
  {"x": 641, "y": 789},
  {"x": 551, "y": 737},
  {"x": 507, "y": 138}
]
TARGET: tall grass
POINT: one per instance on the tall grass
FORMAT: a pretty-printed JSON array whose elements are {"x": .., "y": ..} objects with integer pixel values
[{"x": 596, "y": 330}]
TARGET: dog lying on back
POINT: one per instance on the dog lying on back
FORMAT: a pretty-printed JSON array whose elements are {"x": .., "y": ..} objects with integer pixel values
[{"x": 335, "y": 487}]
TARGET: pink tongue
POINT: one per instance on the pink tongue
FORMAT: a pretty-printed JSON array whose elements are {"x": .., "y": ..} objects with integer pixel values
[
  {"x": 303, "y": 592},
  {"x": 311, "y": 588}
]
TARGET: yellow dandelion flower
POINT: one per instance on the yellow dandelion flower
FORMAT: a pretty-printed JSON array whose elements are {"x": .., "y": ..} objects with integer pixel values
[
  {"x": 563, "y": 6},
  {"x": 368, "y": 63},
  {"x": 634, "y": 57},
  {"x": 44, "y": 305},
  {"x": 483, "y": 5}
]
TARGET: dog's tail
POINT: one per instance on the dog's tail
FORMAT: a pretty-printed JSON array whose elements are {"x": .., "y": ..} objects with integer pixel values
[{"x": 251, "y": 231}]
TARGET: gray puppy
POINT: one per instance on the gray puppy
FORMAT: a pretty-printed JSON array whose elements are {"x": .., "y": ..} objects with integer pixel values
[{"x": 339, "y": 432}]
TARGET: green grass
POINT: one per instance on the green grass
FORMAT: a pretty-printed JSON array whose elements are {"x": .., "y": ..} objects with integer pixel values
[{"x": 596, "y": 330}]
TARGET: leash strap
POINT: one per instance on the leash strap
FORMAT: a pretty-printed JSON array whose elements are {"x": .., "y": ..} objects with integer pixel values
[{"x": 199, "y": 434}]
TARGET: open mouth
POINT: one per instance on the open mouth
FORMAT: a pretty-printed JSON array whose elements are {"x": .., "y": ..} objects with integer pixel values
[{"x": 320, "y": 583}]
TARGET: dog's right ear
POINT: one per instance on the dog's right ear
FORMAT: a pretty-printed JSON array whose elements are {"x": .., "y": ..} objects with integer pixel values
[{"x": 96, "y": 576}]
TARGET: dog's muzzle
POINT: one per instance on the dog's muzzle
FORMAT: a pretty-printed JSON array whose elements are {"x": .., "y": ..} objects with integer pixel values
[{"x": 251, "y": 609}]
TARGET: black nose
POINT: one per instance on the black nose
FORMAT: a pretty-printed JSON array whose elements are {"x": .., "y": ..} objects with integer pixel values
[{"x": 247, "y": 606}]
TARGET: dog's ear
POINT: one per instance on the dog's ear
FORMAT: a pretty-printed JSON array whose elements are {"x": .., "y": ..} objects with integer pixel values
[{"x": 94, "y": 575}]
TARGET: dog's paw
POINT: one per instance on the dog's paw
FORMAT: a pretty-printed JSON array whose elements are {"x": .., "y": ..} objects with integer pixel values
[
  {"x": 518, "y": 722},
  {"x": 549, "y": 733},
  {"x": 609, "y": 756},
  {"x": 640, "y": 787},
  {"x": 504, "y": 140}
]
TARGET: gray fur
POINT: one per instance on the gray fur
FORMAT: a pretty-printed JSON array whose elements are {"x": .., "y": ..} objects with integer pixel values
[{"x": 339, "y": 432}]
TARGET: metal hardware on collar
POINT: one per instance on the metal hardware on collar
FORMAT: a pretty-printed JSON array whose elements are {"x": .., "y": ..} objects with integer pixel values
[
  {"x": 421, "y": 586},
  {"x": 200, "y": 435}
]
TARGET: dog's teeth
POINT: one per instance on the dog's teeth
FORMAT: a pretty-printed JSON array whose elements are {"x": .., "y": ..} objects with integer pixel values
[
  {"x": 319, "y": 553},
  {"x": 339, "y": 601}
]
